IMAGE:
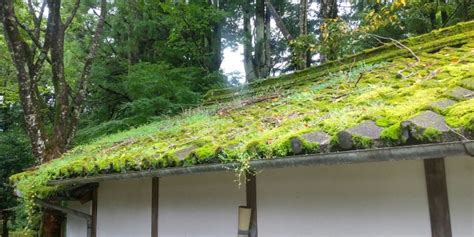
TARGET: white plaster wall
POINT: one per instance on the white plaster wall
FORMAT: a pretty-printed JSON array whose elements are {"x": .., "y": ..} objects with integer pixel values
[
  {"x": 200, "y": 205},
  {"x": 124, "y": 208},
  {"x": 372, "y": 199},
  {"x": 76, "y": 226},
  {"x": 460, "y": 182}
]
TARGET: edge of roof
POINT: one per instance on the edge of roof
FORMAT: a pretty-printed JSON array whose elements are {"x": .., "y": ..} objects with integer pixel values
[{"x": 414, "y": 152}]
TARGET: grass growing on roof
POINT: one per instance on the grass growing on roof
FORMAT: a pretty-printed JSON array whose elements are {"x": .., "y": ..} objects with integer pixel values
[{"x": 329, "y": 101}]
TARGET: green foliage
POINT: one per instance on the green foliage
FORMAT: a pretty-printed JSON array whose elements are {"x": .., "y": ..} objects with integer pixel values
[
  {"x": 15, "y": 156},
  {"x": 146, "y": 93},
  {"x": 158, "y": 61},
  {"x": 412, "y": 17},
  {"x": 159, "y": 89},
  {"x": 302, "y": 45},
  {"x": 192, "y": 23},
  {"x": 338, "y": 39}
]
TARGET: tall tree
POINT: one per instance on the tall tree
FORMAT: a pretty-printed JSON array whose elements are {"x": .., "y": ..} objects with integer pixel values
[
  {"x": 279, "y": 21},
  {"x": 304, "y": 59},
  {"x": 260, "y": 39},
  {"x": 328, "y": 12},
  {"x": 30, "y": 48},
  {"x": 215, "y": 39},
  {"x": 257, "y": 55},
  {"x": 250, "y": 73}
]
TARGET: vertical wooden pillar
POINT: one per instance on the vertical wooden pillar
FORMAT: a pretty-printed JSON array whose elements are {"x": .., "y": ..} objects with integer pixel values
[
  {"x": 94, "y": 212},
  {"x": 4, "y": 217},
  {"x": 251, "y": 190},
  {"x": 155, "y": 191},
  {"x": 437, "y": 191},
  {"x": 52, "y": 222}
]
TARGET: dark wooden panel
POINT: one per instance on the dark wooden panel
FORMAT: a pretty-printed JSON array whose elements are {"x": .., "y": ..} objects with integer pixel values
[
  {"x": 437, "y": 191},
  {"x": 94, "y": 212},
  {"x": 251, "y": 190},
  {"x": 155, "y": 195}
]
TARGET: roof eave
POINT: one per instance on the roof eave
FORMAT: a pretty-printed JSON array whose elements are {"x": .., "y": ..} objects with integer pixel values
[{"x": 415, "y": 152}]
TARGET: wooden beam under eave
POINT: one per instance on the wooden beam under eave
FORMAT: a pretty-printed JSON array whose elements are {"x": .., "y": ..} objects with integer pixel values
[
  {"x": 95, "y": 192},
  {"x": 251, "y": 191},
  {"x": 437, "y": 191},
  {"x": 155, "y": 198}
]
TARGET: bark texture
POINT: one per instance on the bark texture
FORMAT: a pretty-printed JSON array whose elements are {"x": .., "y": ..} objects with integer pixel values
[
  {"x": 257, "y": 57},
  {"x": 279, "y": 22},
  {"x": 303, "y": 59},
  {"x": 250, "y": 74},
  {"x": 29, "y": 59},
  {"x": 328, "y": 11}
]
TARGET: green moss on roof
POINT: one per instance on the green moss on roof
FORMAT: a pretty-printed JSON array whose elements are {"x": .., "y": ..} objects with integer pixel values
[{"x": 386, "y": 85}]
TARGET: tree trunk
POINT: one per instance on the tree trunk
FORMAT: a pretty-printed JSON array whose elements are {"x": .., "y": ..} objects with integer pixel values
[
  {"x": 444, "y": 13},
  {"x": 250, "y": 74},
  {"x": 132, "y": 48},
  {"x": 279, "y": 22},
  {"x": 215, "y": 43},
  {"x": 303, "y": 25},
  {"x": 260, "y": 38},
  {"x": 57, "y": 144},
  {"x": 303, "y": 18},
  {"x": 328, "y": 11},
  {"x": 21, "y": 56},
  {"x": 268, "y": 58}
]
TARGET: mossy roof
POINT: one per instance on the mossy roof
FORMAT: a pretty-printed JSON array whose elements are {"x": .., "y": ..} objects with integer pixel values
[{"x": 372, "y": 99}]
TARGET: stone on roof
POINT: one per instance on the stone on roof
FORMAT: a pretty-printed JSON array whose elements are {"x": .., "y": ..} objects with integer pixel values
[
  {"x": 460, "y": 93},
  {"x": 427, "y": 126},
  {"x": 442, "y": 104},
  {"x": 360, "y": 136},
  {"x": 321, "y": 138},
  {"x": 185, "y": 152}
]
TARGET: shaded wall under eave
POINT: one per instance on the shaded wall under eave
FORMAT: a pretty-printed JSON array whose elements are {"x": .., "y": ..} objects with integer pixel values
[{"x": 370, "y": 199}]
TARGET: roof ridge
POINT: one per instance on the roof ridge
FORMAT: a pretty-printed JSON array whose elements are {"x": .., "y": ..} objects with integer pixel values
[{"x": 432, "y": 41}]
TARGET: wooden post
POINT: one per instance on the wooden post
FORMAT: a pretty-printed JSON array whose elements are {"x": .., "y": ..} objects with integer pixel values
[
  {"x": 155, "y": 197},
  {"x": 52, "y": 222},
  {"x": 94, "y": 212},
  {"x": 4, "y": 216},
  {"x": 251, "y": 190},
  {"x": 437, "y": 191}
]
